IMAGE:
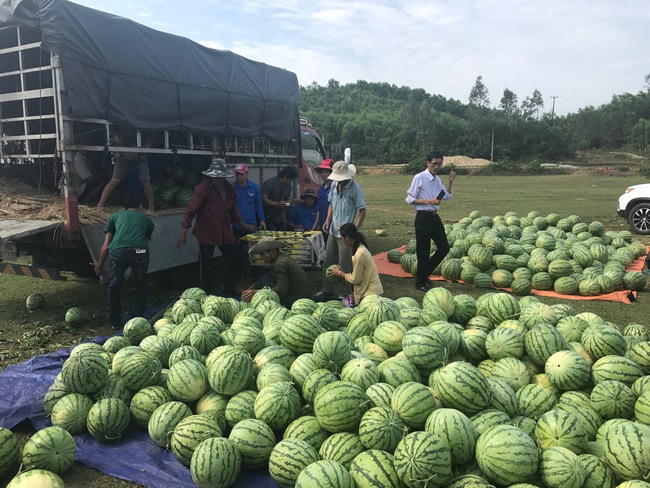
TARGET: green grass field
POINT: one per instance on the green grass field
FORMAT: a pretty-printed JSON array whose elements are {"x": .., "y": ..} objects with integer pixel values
[{"x": 23, "y": 335}]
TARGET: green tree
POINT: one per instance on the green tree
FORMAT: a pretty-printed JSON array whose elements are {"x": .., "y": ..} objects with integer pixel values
[
  {"x": 509, "y": 103},
  {"x": 532, "y": 105},
  {"x": 479, "y": 95}
]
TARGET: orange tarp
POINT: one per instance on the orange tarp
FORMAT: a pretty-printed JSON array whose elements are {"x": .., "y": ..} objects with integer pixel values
[{"x": 385, "y": 267}]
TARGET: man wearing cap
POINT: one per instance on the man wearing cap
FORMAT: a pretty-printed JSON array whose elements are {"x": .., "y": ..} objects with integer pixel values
[
  {"x": 249, "y": 204},
  {"x": 213, "y": 209},
  {"x": 425, "y": 194},
  {"x": 324, "y": 170},
  {"x": 276, "y": 196},
  {"x": 304, "y": 215},
  {"x": 286, "y": 277},
  {"x": 347, "y": 205}
]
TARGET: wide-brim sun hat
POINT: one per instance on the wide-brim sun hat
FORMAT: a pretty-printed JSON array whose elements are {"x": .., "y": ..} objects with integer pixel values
[
  {"x": 342, "y": 171},
  {"x": 218, "y": 169},
  {"x": 266, "y": 244},
  {"x": 309, "y": 193}
]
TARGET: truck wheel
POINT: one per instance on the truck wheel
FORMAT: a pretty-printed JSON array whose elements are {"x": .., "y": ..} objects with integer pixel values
[{"x": 639, "y": 219}]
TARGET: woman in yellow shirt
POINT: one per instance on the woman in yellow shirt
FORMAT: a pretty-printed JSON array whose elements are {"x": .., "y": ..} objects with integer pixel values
[{"x": 364, "y": 276}]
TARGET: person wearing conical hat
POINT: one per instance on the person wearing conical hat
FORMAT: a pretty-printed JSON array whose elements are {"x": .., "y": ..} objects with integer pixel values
[
  {"x": 211, "y": 213},
  {"x": 286, "y": 277},
  {"x": 347, "y": 205}
]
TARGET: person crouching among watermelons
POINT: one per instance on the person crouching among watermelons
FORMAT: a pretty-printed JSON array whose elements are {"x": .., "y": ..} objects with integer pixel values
[
  {"x": 364, "y": 276},
  {"x": 286, "y": 277},
  {"x": 213, "y": 209},
  {"x": 126, "y": 240}
]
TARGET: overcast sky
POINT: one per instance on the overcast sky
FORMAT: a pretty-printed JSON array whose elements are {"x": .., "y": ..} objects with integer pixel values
[{"x": 580, "y": 51}]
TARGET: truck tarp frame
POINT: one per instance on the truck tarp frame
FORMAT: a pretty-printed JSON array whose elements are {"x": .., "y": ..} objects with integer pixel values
[{"x": 134, "y": 76}]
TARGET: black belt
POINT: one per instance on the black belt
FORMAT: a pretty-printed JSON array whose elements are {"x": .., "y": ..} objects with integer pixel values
[{"x": 428, "y": 211}]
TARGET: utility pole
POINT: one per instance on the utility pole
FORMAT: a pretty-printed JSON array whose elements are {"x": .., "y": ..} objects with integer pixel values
[
  {"x": 492, "y": 149},
  {"x": 553, "y": 110}
]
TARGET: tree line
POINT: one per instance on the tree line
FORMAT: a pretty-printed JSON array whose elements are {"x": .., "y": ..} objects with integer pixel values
[{"x": 389, "y": 124}]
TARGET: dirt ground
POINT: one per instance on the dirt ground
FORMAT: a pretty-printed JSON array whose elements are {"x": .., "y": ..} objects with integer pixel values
[{"x": 393, "y": 169}]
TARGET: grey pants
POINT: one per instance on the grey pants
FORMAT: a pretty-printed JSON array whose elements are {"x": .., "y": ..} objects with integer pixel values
[{"x": 337, "y": 253}]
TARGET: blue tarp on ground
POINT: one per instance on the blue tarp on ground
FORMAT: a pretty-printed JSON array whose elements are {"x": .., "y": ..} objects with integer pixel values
[{"x": 134, "y": 458}]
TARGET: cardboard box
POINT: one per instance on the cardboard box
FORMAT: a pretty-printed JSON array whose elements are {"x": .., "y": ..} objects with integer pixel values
[{"x": 306, "y": 248}]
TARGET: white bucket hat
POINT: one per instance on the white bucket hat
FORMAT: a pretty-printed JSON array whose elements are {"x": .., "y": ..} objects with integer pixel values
[
  {"x": 342, "y": 171},
  {"x": 218, "y": 169}
]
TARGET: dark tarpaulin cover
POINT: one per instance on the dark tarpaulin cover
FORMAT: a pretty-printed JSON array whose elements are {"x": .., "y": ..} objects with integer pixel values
[
  {"x": 135, "y": 76},
  {"x": 134, "y": 458}
]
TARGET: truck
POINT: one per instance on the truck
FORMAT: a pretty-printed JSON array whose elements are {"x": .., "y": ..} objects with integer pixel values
[{"x": 72, "y": 76}]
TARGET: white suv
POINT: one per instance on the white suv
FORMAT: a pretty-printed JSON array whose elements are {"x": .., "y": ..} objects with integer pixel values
[{"x": 634, "y": 206}]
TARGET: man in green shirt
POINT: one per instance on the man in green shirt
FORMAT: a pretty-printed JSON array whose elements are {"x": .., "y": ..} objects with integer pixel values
[
  {"x": 127, "y": 234},
  {"x": 286, "y": 277}
]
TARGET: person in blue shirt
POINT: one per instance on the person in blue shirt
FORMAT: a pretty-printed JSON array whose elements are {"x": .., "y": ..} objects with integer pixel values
[
  {"x": 324, "y": 170},
  {"x": 304, "y": 215},
  {"x": 249, "y": 204}
]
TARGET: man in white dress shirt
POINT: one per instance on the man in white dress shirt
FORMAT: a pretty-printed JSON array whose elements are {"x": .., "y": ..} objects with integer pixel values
[{"x": 425, "y": 194}]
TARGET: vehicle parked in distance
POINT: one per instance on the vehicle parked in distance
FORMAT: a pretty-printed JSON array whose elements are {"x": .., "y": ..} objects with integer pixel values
[{"x": 634, "y": 206}]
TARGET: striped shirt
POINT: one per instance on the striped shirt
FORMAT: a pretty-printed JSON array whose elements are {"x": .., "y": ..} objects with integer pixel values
[{"x": 425, "y": 186}]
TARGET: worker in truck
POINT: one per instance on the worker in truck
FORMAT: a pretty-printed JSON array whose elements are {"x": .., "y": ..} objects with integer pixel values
[
  {"x": 121, "y": 163},
  {"x": 276, "y": 196},
  {"x": 213, "y": 209},
  {"x": 126, "y": 241}
]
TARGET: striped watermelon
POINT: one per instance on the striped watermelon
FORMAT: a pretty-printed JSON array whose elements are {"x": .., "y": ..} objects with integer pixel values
[
  {"x": 9, "y": 452},
  {"x": 342, "y": 448},
  {"x": 642, "y": 408},
  {"x": 388, "y": 335},
  {"x": 145, "y": 402},
  {"x": 456, "y": 430},
  {"x": 137, "y": 329},
  {"x": 273, "y": 355},
  {"x": 205, "y": 336},
  {"x": 487, "y": 418},
  {"x": 288, "y": 458},
  {"x": 420, "y": 457},
  {"x": 189, "y": 433},
  {"x": 504, "y": 397},
  {"x": 332, "y": 350},
  {"x": 160, "y": 347},
  {"x": 507, "y": 455},
  {"x": 187, "y": 380},
  {"x": 513, "y": 372},
  {"x": 241, "y": 406},
  {"x": 140, "y": 370},
  {"x": 413, "y": 402},
  {"x": 231, "y": 372},
  {"x": 398, "y": 370},
  {"x": 277, "y": 404},
  {"x": 306, "y": 428},
  {"x": 299, "y": 332},
  {"x": 558, "y": 427},
  {"x": 85, "y": 373},
  {"x": 587, "y": 416},
  {"x": 115, "y": 343},
  {"x": 603, "y": 340},
  {"x": 380, "y": 310},
  {"x": 381, "y": 428},
  {"x": 462, "y": 386},
  {"x": 361, "y": 371},
  {"x": 561, "y": 467},
  {"x": 472, "y": 344},
  {"x": 504, "y": 342},
  {"x": 359, "y": 326},
  {"x": 71, "y": 413},
  {"x": 567, "y": 370},
  {"x": 597, "y": 473},
  {"x": 164, "y": 420},
  {"x": 249, "y": 339},
  {"x": 424, "y": 347},
  {"x": 36, "y": 478},
  {"x": 502, "y": 306},
  {"x": 302, "y": 367},
  {"x": 542, "y": 341},
  {"x": 51, "y": 448},
  {"x": 325, "y": 474},
  {"x": 272, "y": 373},
  {"x": 619, "y": 368},
  {"x": 380, "y": 394},
  {"x": 316, "y": 380},
  {"x": 339, "y": 406},
  {"x": 572, "y": 327},
  {"x": 374, "y": 468},
  {"x": 108, "y": 419},
  {"x": 534, "y": 400},
  {"x": 613, "y": 399},
  {"x": 254, "y": 440},
  {"x": 216, "y": 462}
]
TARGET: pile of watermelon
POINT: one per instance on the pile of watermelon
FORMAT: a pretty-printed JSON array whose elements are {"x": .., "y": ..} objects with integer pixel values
[
  {"x": 176, "y": 186},
  {"x": 450, "y": 392},
  {"x": 536, "y": 252}
]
